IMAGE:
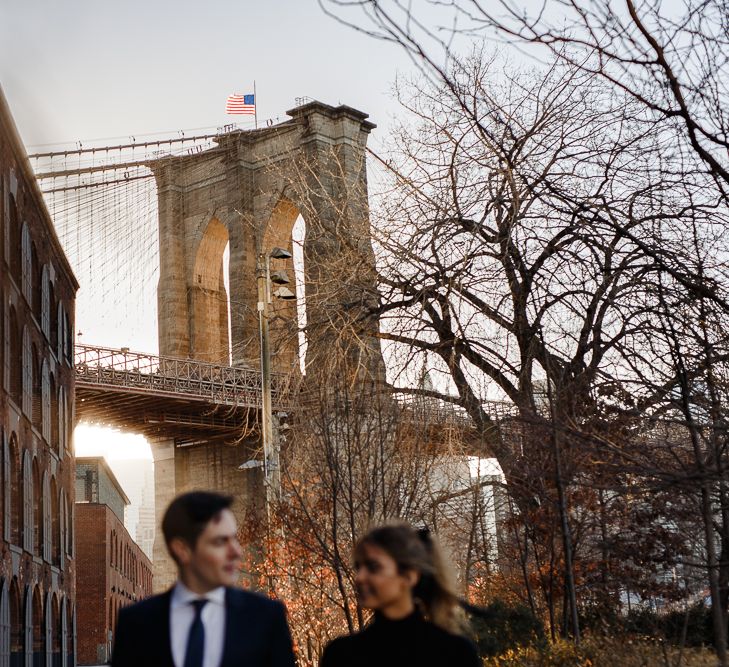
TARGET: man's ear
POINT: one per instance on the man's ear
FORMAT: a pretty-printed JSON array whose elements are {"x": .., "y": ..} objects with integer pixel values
[{"x": 181, "y": 550}]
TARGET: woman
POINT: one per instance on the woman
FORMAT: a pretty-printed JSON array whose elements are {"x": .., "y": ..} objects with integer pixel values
[{"x": 418, "y": 620}]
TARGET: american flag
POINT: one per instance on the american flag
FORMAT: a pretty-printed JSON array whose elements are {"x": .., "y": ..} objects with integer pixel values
[{"x": 241, "y": 104}]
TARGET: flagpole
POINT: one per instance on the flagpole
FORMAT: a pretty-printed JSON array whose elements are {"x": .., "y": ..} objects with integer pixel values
[{"x": 255, "y": 104}]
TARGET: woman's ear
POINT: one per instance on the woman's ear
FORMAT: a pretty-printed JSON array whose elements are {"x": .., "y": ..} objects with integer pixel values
[{"x": 413, "y": 577}]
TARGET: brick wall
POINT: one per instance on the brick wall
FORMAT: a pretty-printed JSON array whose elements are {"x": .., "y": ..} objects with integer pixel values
[
  {"x": 112, "y": 572},
  {"x": 37, "y": 291}
]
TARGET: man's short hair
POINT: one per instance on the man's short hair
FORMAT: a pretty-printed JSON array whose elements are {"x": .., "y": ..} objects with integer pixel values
[{"x": 189, "y": 513}]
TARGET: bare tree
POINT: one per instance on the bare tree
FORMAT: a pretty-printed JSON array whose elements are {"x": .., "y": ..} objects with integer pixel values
[
  {"x": 672, "y": 58},
  {"x": 661, "y": 172},
  {"x": 355, "y": 455}
]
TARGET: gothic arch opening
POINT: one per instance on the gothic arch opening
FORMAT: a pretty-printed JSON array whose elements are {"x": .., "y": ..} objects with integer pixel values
[
  {"x": 283, "y": 314},
  {"x": 208, "y": 298},
  {"x": 298, "y": 235}
]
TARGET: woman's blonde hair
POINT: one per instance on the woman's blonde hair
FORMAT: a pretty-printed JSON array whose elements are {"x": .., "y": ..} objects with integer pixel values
[{"x": 418, "y": 550}]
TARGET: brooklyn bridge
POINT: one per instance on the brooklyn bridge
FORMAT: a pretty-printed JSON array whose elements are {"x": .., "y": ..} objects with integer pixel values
[{"x": 223, "y": 208}]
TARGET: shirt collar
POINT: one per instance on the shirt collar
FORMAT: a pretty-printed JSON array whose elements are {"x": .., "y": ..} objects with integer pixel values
[{"x": 182, "y": 595}]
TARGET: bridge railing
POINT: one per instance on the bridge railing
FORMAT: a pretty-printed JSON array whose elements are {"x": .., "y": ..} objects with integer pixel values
[
  {"x": 228, "y": 385},
  {"x": 436, "y": 410}
]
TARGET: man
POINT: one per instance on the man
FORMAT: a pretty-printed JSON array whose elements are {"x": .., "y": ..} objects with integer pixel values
[{"x": 202, "y": 621}]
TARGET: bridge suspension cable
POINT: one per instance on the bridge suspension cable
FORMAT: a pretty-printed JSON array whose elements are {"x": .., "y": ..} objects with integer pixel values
[
  {"x": 133, "y": 144},
  {"x": 103, "y": 202}
]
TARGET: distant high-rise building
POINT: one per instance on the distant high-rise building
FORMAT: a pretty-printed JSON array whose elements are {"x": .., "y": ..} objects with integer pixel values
[
  {"x": 137, "y": 478},
  {"x": 146, "y": 523}
]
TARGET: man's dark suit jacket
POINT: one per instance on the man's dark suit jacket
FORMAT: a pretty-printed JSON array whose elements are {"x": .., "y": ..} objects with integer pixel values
[{"x": 256, "y": 633}]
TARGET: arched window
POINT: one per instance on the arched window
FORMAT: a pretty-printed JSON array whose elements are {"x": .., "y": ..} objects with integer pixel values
[
  {"x": 13, "y": 237},
  {"x": 38, "y": 634},
  {"x": 55, "y": 524},
  {"x": 45, "y": 502},
  {"x": 27, "y": 501},
  {"x": 53, "y": 413},
  {"x": 4, "y": 342},
  {"x": 37, "y": 410},
  {"x": 37, "y": 508},
  {"x": 62, "y": 528},
  {"x": 13, "y": 357},
  {"x": 4, "y": 623},
  {"x": 67, "y": 425},
  {"x": 71, "y": 653},
  {"x": 65, "y": 625},
  {"x": 52, "y": 316},
  {"x": 26, "y": 258},
  {"x": 67, "y": 527},
  {"x": 68, "y": 343},
  {"x": 36, "y": 283},
  {"x": 46, "y": 393},
  {"x": 27, "y": 374},
  {"x": 62, "y": 428},
  {"x": 14, "y": 493},
  {"x": 4, "y": 485},
  {"x": 17, "y": 645},
  {"x": 3, "y": 212},
  {"x": 28, "y": 613},
  {"x": 60, "y": 330},
  {"x": 57, "y": 629},
  {"x": 46, "y": 302},
  {"x": 70, "y": 538},
  {"x": 47, "y": 628}
]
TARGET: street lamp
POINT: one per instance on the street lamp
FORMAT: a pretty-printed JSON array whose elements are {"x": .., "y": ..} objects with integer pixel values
[{"x": 264, "y": 278}]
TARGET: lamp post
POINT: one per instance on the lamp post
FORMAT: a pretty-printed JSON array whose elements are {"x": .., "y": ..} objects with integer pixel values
[{"x": 264, "y": 278}]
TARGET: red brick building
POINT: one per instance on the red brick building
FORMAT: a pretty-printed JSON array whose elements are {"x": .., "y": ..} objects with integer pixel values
[
  {"x": 112, "y": 570},
  {"x": 37, "y": 287}
]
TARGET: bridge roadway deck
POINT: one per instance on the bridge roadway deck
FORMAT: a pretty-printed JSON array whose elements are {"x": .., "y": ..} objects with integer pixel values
[
  {"x": 196, "y": 401},
  {"x": 166, "y": 397}
]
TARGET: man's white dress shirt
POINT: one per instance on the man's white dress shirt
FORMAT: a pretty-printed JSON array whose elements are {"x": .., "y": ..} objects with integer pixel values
[{"x": 182, "y": 614}]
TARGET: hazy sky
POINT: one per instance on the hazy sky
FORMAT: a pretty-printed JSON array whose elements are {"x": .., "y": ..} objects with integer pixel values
[
  {"x": 91, "y": 69},
  {"x": 86, "y": 69},
  {"x": 97, "y": 69}
]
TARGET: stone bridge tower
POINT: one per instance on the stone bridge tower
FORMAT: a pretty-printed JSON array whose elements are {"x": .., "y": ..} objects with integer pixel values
[{"x": 247, "y": 193}]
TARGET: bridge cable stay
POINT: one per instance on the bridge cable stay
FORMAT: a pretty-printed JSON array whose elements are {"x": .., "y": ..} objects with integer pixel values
[{"x": 103, "y": 202}]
